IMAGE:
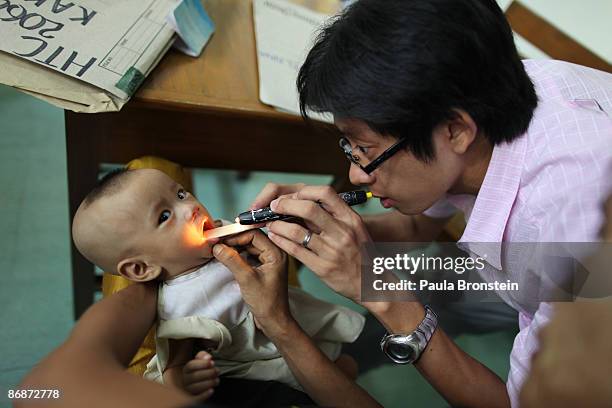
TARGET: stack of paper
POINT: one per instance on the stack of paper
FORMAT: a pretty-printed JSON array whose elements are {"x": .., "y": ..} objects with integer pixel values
[{"x": 88, "y": 55}]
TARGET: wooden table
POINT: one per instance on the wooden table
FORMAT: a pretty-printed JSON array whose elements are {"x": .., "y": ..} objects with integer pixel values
[{"x": 200, "y": 112}]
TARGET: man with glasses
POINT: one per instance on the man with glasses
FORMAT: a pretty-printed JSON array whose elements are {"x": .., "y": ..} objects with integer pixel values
[
  {"x": 439, "y": 114},
  {"x": 370, "y": 167}
]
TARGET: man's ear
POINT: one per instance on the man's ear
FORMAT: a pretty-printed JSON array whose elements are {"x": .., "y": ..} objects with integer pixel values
[
  {"x": 462, "y": 131},
  {"x": 135, "y": 269}
]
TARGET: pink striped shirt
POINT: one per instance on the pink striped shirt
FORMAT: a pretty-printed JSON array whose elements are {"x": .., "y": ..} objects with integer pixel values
[{"x": 549, "y": 185}]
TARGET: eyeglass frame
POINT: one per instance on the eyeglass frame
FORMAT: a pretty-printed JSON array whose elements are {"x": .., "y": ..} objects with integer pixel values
[{"x": 374, "y": 164}]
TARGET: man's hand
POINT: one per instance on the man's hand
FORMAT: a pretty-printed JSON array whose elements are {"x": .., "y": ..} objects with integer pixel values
[
  {"x": 334, "y": 250},
  {"x": 200, "y": 375},
  {"x": 336, "y": 233},
  {"x": 263, "y": 288}
]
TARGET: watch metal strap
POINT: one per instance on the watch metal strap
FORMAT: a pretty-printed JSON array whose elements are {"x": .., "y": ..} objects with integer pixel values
[
  {"x": 428, "y": 324},
  {"x": 422, "y": 334}
]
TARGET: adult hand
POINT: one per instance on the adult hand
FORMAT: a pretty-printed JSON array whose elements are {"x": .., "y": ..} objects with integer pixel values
[
  {"x": 572, "y": 367},
  {"x": 264, "y": 287},
  {"x": 338, "y": 234}
]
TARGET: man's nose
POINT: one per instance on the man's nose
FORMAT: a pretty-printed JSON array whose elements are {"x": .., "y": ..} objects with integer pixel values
[{"x": 359, "y": 177}]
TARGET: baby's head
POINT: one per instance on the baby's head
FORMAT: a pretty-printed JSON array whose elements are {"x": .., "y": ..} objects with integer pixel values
[{"x": 142, "y": 225}]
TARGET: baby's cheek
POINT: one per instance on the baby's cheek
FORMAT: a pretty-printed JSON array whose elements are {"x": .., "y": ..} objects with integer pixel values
[
  {"x": 194, "y": 243},
  {"x": 192, "y": 238}
]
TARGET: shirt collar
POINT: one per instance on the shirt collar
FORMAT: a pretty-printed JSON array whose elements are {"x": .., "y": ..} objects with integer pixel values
[{"x": 495, "y": 200}]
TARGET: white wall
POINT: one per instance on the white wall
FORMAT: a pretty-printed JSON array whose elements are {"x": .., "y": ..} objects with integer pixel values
[{"x": 587, "y": 21}]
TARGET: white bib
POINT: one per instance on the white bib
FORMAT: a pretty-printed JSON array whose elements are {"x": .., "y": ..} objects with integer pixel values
[{"x": 211, "y": 291}]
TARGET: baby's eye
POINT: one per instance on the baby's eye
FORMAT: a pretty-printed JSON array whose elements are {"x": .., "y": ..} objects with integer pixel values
[
  {"x": 181, "y": 194},
  {"x": 362, "y": 149},
  {"x": 163, "y": 217}
]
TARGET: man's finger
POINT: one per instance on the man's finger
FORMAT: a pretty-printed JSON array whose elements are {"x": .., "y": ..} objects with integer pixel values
[
  {"x": 229, "y": 257},
  {"x": 265, "y": 250},
  {"x": 269, "y": 251},
  {"x": 297, "y": 234},
  {"x": 246, "y": 240},
  {"x": 326, "y": 196},
  {"x": 305, "y": 209},
  {"x": 242, "y": 239},
  {"x": 305, "y": 256}
]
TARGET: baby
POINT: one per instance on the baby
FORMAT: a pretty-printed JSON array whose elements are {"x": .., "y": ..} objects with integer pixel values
[{"x": 142, "y": 225}]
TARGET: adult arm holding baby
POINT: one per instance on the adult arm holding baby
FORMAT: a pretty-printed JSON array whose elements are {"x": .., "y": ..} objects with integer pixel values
[{"x": 92, "y": 362}]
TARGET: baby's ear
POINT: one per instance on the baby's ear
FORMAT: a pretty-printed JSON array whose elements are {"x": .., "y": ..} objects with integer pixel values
[{"x": 135, "y": 269}]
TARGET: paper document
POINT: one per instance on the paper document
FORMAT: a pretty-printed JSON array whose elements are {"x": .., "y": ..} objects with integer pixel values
[
  {"x": 284, "y": 34},
  {"x": 56, "y": 88},
  {"x": 112, "y": 44},
  {"x": 92, "y": 55}
]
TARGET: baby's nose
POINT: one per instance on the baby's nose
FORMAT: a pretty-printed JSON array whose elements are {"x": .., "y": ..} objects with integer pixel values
[{"x": 191, "y": 214}]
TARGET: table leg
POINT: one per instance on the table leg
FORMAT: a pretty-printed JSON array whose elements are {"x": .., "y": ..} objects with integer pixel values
[{"x": 82, "y": 175}]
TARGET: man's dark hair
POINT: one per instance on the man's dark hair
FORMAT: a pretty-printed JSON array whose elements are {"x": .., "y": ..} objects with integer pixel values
[
  {"x": 404, "y": 66},
  {"x": 111, "y": 183}
]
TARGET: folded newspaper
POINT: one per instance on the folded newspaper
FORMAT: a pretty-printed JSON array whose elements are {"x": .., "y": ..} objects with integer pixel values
[{"x": 92, "y": 55}]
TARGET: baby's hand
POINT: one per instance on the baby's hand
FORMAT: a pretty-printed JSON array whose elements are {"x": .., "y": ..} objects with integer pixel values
[{"x": 200, "y": 375}]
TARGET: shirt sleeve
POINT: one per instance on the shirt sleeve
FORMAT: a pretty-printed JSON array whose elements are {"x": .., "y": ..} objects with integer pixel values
[
  {"x": 441, "y": 209},
  {"x": 525, "y": 344}
]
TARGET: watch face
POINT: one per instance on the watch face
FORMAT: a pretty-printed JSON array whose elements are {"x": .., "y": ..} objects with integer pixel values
[{"x": 401, "y": 351}]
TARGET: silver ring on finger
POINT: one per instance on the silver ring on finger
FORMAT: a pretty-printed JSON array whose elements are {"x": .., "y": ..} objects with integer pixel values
[{"x": 307, "y": 239}]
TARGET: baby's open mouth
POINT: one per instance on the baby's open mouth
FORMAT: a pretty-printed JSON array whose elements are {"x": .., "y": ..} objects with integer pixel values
[
  {"x": 206, "y": 224},
  {"x": 200, "y": 221}
]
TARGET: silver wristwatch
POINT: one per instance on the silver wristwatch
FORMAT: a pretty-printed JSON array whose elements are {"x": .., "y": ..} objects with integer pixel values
[{"x": 407, "y": 348}]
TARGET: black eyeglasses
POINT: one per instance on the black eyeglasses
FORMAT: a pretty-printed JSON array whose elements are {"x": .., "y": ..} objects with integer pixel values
[{"x": 374, "y": 164}]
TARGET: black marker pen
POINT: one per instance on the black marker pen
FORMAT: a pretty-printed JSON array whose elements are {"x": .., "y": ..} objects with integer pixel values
[{"x": 264, "y": 215}]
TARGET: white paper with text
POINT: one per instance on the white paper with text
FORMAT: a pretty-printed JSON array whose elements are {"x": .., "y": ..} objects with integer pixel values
[
  {"x": 284, "y": 33},
  {"x": 112, "y": 44}
]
